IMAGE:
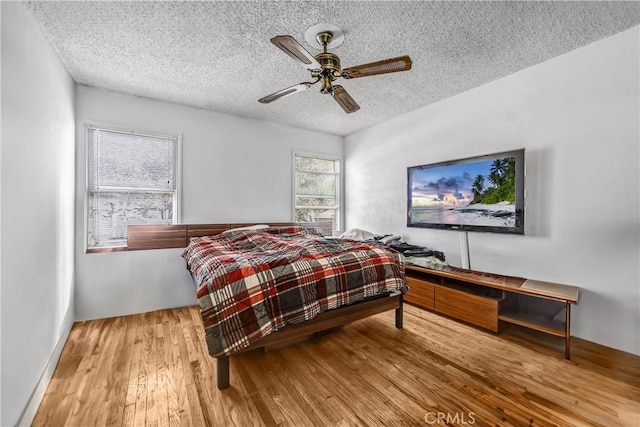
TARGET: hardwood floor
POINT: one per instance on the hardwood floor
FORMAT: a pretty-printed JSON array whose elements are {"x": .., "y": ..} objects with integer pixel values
[{"x": 153, "y": 369}]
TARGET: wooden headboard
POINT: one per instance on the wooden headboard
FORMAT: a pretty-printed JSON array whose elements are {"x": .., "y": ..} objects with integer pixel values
[{"x": 141, "y": 237}]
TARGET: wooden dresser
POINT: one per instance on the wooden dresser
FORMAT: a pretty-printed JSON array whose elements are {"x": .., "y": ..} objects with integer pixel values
[{"x": 486, "y": 300}]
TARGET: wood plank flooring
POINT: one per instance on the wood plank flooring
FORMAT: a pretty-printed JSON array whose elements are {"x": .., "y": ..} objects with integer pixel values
[{"x": 153, "y": 369}]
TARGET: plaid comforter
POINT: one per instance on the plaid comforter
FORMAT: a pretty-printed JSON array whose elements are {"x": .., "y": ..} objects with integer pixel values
[{"x": 251, "y": 283}]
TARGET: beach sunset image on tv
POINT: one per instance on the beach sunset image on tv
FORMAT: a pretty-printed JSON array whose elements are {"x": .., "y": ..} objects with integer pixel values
[{"x": 474, "y": 192}]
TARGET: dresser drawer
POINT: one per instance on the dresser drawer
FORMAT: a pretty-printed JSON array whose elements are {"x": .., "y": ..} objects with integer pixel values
[
  {"x": 479, "y": 310},
  {"x": 420, "y": 293}
]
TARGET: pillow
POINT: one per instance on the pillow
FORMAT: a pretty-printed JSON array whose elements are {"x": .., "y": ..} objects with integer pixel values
[
  {"x": 249, "y": 227},
  {"x": 357, "y": 234}
]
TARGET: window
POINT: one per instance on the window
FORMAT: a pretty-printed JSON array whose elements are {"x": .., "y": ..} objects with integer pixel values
[
  {"x": 131, "y": 179},
  {"x": 316, "y": 193}
]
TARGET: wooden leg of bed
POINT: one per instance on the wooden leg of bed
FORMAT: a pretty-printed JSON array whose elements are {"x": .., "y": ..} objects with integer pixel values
[
  {"x": 399, "y": 315},
  {"x": 222, "y": 368}
]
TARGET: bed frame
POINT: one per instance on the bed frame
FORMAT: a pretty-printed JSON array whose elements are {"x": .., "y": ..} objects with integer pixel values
[{"x": 141, "y": 237}]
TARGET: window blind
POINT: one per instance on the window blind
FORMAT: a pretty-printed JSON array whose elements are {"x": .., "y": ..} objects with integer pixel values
[{"x": 131, "y": 179}]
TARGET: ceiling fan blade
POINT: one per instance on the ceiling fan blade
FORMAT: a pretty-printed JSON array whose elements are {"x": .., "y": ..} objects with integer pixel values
[
  {"x": 291, "y": 47},
  {"x": 285, "y": 92},
  {"x": 393, "y": 65},
  {"x": 345, "y": 100}
]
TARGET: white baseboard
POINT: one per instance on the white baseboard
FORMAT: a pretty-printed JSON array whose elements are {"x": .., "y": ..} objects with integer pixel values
[{"x": 29, "y": 412}]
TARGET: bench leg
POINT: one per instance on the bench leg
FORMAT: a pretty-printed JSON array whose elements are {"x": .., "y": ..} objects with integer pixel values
[
  {"x": 399, "y": 315},
  {"x": 567, "y": 333},
  {"x": 222, "y": 371}
]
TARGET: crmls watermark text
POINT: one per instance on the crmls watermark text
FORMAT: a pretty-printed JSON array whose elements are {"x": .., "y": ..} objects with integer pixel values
[{"x": 457, "y": 418}]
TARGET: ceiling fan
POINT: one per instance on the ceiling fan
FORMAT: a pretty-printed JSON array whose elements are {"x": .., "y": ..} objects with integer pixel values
[{"x": 325, "y": 67}]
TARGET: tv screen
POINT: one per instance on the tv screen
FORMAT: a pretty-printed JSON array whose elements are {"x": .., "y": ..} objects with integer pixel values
[{"x": 484, "y": 193}]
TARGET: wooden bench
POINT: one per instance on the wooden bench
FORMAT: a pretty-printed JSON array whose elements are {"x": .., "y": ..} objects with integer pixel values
[{"x": 486, "y": 299}]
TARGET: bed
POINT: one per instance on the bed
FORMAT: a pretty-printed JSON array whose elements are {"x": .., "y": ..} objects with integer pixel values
[{"x": 268, "y": 287}]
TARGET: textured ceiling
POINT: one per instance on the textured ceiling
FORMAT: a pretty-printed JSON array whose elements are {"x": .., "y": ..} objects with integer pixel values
[{"x": 217, "y": 55}]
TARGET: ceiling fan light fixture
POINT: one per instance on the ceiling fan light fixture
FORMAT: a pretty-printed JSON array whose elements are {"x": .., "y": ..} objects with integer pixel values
[
  {"x": 327, "y": 87},
  {"x": 325, "y": 66}
]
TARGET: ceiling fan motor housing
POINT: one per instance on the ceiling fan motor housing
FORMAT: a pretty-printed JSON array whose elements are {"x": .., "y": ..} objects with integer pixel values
[
  {"x": 330, "y": 69},
  {"x": 329, "y": 61}
]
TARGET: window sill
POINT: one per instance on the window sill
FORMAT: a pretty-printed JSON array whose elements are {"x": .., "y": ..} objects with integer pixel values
[{"x": 104, "y": 250}]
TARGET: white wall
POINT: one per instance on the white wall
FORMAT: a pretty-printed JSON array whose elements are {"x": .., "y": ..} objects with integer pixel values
[
  {"x": 578, "y": 118},
  {"x": 233, "y": 170},
  {"x": 37, "y": 212}
]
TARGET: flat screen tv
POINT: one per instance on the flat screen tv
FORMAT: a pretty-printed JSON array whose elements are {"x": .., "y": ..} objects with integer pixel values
[{"x": 483, "y": 193}]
